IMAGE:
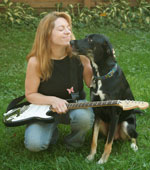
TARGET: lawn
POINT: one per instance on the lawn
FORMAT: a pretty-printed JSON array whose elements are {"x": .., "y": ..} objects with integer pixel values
[{"x": 133, "y": 55}]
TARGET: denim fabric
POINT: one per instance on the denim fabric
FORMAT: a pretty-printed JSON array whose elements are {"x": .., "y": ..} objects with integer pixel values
[{"x": 39, "y": 135}]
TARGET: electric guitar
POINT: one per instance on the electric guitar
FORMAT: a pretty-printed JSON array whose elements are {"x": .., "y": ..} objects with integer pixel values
[{"x": 32, "y": 112}]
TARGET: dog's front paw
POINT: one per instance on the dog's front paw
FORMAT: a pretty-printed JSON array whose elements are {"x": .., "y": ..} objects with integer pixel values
[
  {"x": 102, "y": 161},
  {"x": 90, "y": 157},
  {"x": 134, "y": 147}
]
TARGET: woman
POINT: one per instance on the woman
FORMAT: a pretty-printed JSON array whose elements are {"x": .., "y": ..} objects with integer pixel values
[{"x": 52, "y": 77}]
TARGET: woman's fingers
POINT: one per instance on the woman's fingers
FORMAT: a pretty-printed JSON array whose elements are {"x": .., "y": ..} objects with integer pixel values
[{"x": 59, "y": 106}]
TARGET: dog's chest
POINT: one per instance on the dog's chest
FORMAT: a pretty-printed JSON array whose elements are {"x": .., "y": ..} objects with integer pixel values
[{"x": 96, "y": 85}]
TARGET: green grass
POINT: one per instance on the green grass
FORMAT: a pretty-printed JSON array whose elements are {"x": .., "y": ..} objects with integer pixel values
[{"x": 132, "y": 51}]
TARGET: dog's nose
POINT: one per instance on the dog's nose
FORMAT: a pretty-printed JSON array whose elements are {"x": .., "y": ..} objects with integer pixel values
[{"x": 72, "y": 42}]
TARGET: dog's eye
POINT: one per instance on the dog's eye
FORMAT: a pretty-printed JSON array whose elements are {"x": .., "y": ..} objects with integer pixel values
[{"x": 90, "y": 40}]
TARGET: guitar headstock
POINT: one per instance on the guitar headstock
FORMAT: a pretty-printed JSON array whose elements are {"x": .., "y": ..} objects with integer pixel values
[{"x": 131, "y": 104}]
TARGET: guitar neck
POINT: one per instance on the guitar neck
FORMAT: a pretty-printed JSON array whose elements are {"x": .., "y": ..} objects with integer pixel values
[
  {"x": 93, "y": 104},
  {"x": 124, "y": 104}
]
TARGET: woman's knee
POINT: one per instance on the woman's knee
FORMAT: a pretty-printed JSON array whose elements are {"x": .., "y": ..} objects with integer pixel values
[
  {"x": 82, "y": 118},
  {"x": 38, "y": 136},
  {"x": 35, "y": 145}
]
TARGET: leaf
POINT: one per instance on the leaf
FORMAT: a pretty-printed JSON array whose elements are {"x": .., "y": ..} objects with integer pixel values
[
  {"x": 10, "y": 4},
  {"x": 18, "y": 21},
  {"x": 125, "y": 18},
  {"x": 124, "y": 25},
  {"x": 71, "y": 6},
  {"x": 140, "y": 10},
  {"x": 11, "y": 19},
  {"x": 9, "y": 14},
  {"x": 43, "y": 13},
  {"x": 16, "y": 14},
  {"x": 133, "y": 15},
  {"x": 5, "y": 1},
  {"x": 148, "y": 20}
]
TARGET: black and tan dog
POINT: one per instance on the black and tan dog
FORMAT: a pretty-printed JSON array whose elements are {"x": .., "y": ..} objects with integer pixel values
[{"x": 109, "y": 83}]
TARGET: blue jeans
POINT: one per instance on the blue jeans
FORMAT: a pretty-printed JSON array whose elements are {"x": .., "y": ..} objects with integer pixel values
[{"x": 39, "y": 135}]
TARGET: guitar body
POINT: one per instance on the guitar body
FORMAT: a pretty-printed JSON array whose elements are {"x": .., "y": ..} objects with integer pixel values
[{"x": 27, "y": 114}]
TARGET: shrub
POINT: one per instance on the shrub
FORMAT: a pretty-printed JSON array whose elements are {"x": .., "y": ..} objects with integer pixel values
[
  {"x": 17, "y": 14},
  {"x": 116, "y": 13},
  {"x": 121, "y": 14}
]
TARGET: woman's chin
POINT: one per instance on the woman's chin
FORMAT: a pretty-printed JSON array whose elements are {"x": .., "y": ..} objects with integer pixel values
[{"x": 67, "y": 44}]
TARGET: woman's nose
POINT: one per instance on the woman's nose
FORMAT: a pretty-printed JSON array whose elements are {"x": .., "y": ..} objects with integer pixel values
[{"x": 67, "y": 31}]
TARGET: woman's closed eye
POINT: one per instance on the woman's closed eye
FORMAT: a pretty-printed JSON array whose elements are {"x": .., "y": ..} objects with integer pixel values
[{"x": 62, "y": 28}]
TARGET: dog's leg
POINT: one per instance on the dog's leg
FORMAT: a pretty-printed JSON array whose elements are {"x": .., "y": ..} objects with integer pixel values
[
  {"x": 110, "y": 138},
  {"x": 94, "y": 140},
  {"x": 134, "y": 145},
  {"x": 129, "y": 131}
]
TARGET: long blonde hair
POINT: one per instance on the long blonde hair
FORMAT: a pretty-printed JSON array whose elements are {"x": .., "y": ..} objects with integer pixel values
[{"x": 41, "y": 46}]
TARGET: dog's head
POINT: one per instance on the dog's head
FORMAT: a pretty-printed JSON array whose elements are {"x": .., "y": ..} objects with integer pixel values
[{"x": 94, "y": 46}]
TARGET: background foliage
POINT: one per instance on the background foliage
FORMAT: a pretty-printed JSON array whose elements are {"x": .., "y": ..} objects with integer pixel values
[
  {"x": 116, "y": 13},
  {"x": 17, "y": 14}
]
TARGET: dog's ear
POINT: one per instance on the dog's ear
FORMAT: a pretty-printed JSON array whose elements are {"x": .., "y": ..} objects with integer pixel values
[{"x": 108, "y": 47}]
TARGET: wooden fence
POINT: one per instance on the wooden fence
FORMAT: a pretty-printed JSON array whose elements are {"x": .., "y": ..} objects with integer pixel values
[{"x": 51, "y": 4}]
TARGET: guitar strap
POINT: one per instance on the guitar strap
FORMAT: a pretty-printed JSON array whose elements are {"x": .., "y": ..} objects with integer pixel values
[
  {"x": 73, "y": 81},
  {"x": 76, "y": 79},
  {"x": 15, "y": 103}
]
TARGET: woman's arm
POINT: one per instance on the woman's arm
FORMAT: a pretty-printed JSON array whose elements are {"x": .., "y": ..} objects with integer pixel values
[
  {"x": 32, "y": 83},
  {"x": 87, "y": 72}
]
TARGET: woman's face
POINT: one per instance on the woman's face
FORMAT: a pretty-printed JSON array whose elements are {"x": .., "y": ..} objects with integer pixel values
[{"x": 61, "y": 33}]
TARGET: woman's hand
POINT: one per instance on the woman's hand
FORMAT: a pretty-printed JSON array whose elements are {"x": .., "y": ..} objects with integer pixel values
[{"x": 59, "y": 105}]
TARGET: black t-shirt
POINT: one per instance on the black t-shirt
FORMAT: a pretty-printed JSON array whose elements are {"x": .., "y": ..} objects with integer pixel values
[{"x": 67, "y": 74}]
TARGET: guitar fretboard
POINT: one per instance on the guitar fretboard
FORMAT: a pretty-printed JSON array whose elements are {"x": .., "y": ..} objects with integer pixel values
[{"x": 93, "y": 104}]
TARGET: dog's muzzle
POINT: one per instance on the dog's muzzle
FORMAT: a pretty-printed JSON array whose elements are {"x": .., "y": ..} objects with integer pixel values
[{"x": 72, "y": 43}]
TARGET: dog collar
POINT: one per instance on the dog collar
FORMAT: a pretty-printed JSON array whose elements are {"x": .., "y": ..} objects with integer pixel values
[{"x": 108, "y": 75}]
